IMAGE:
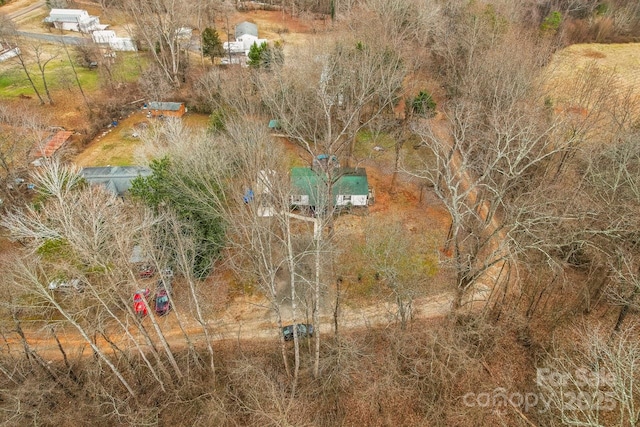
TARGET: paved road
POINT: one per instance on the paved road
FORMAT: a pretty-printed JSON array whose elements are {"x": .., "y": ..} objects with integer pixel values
[
  {"x": 70, "y": 40},
  {"x": 18, "y": 13}
]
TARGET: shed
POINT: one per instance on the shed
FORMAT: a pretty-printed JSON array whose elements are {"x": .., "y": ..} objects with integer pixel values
[
  {"x": 349, "y": 187},
  {"x": 246, "y": 28},
  {"x": 49, "y": 146},
  {"x": 116, "y": 179},
  {"x": 8, "y": 53},
  {"x": 274, "y": 124},
  {"x": 167, "y": 109}
]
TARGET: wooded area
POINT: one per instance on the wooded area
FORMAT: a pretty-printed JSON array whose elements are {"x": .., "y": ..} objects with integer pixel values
[{"x": 536, "y": 267}]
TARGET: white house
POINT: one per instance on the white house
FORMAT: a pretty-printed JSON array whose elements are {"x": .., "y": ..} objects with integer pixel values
[
  {"x": 248, "y": 40},
  {"x": 239, "y": 49},
  {"x": 74, "y": 20},
  {"x": 235, "y": 47}
]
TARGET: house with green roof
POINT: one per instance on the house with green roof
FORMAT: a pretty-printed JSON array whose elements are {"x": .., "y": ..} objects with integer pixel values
[{"x": 347, "y": 187}]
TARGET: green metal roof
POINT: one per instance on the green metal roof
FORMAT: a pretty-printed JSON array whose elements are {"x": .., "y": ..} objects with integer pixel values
[
  {"x": 346, "y": 181},
  {"x": 274, "y": 124}
]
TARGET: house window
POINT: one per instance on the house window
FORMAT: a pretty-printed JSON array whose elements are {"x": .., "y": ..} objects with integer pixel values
[
  {"x": 296, "y": 199},
  {"x": 346, "y": 199}
]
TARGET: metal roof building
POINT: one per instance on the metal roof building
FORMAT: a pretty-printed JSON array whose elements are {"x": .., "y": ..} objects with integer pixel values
[
  {"x": 246, "y": 28},
  {"x": 52, "y": 144},
  {"x": 116, "y": 179},
  {"x": 349, "y": 187}
]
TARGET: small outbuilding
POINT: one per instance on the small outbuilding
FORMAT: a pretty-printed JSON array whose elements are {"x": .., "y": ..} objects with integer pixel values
[
  {"x": 8, "y": 52},
  {"x": 52, "y": 144},
  {"x": 167, "y": 109}
]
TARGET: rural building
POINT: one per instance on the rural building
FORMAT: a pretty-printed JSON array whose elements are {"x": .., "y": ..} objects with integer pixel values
[
  {"x": 7, "y": 52},
  {"x": 167, "y": 109},
  {"x": 103, "y": 37},
  {"x": 246, "y": 28},
  {"x": 109, "y": 38},
  {"x": 349, "y": 187},
  {"x": 116, "y": 179},
  {"x": 74, "y": 20},
  {"x": 50, "y": 145},
  {"x": 122, "y": 44},
  {"x": 234, "y": 47},
  {"x": 246, "y": 35}
]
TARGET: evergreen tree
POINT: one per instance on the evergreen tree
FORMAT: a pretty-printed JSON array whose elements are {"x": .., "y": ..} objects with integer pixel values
[
  {"x": 211, "y": 44},
  {"x": 265, "y": 56}
]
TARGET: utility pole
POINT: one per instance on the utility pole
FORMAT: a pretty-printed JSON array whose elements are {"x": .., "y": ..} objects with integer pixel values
[{"x": 228, "y": 40}]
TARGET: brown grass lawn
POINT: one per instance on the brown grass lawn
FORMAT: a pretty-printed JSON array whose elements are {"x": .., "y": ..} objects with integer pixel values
[
  {"x": 117, "y": 146},
  {"x": 617, "y": 64}
]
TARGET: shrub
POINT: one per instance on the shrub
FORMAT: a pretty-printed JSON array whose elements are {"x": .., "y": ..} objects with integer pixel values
[
  {"x": 423, "y": 104},
  {"x": 552, "y": 22}
]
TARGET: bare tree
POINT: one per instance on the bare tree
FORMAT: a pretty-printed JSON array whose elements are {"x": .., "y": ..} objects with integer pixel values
[
  {"x": 593, "y": 382},
  {"x": 402, "y": 262},
  {"x": 23, "y": 64},
  {"x": 491, "y": 159},
  {"x": 612, "y": 191},
  {"x": 80, "y": 236},
  {"x": 158, "y": 24},
  {"x": 43, "y": 57},
  {"x": 342, "y": 88}
]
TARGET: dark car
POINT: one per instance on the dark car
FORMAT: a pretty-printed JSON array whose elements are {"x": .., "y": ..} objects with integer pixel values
[
  {"x": 163, "y": 305},
  {"x": 139, "y": 302},
  {"x": 302, "y": 329}
]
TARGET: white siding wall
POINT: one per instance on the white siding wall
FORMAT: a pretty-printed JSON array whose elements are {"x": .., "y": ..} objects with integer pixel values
[
  {"x": 302, "y": 200},
  {"x": 342, "y": 200}
]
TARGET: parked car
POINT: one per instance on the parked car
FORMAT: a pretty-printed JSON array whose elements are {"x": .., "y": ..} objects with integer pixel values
[
  {"x": 63, "y": 285},
  {"x": 163, "y": 305},
  {"x": 139, "y": 301},
  {"x": 302, "y": 329},
  {"x": 164, "y": 283},
  {"x": 146, "y": 271}
]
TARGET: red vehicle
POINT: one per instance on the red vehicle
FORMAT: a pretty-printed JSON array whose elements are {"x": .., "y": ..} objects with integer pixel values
[
  {"x": 146, "y": 271},
  {"x": 140, "y": 302}
]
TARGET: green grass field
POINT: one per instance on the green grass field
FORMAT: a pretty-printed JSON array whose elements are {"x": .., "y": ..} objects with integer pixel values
[{"x": 59, "y": 75}]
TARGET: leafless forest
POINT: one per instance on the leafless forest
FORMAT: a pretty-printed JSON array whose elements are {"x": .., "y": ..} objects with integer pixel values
[{"x": 537, "y": 267}]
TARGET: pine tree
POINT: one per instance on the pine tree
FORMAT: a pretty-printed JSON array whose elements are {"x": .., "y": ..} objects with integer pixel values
[{"x": 211, "y": 44}]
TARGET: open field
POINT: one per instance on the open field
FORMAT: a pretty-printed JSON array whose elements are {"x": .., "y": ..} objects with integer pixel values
[
  {"x": 117, "y": 146},
  {"x": 617, "y": 65},
  {"x": 59, "y": 74}
]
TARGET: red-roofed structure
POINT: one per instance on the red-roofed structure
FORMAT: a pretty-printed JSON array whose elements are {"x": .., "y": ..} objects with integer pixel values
[{"x": 53, "y": 144}]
